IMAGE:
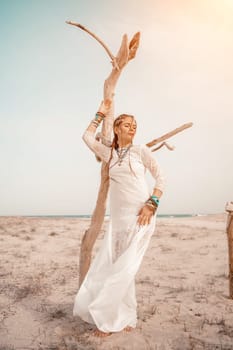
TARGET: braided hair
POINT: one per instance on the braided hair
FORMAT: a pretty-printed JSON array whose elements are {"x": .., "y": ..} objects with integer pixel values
[{"x": 117, "y": 122}]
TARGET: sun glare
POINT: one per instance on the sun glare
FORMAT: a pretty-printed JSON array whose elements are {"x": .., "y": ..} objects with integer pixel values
[{"x": 226, "y": 2}]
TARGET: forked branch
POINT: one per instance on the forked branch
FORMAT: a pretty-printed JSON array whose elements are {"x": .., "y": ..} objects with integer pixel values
[{"x": 94, "y": 36}]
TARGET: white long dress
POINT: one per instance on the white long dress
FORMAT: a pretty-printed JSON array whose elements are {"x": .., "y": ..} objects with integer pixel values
[{"x": 106, "y": 297}]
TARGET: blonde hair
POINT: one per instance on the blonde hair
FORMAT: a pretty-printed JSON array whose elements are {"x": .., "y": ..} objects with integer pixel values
[{"x": 117, "y": 122}]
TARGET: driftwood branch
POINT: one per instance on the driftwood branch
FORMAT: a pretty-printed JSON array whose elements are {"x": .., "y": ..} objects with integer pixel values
[
  {"x": 168, "y": 135},
  {"x": 123, "y": 55},
  {"x": 94, "y": 36}
]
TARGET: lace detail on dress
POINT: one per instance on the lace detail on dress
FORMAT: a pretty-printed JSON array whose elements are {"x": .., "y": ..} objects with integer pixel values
[
  {"x": 123, "y": 235},
  {"x": 118, "y": 244},
  {"x": 150, "y": 163},
  {"x": 121, "y": 239},
  {"x": 97, "y": 147}
]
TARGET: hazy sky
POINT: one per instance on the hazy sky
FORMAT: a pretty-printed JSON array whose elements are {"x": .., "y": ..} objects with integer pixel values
[{"x": 51, "y": 83}]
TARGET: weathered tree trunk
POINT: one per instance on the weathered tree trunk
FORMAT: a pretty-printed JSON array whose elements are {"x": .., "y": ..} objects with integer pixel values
[
  {"x": 126, "y": 53},
  {"x": 229, "y": 209}
]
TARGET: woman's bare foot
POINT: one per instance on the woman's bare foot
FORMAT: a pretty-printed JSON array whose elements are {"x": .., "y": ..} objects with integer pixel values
[
  {"x": 128, "y": 329},
  {"x": 101, "y": 334}
]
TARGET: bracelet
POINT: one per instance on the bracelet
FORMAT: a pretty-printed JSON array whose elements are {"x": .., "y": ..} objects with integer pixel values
[
  {"x": 95, "y": 123},
  {"x": 99, "y": 117},
  {"x": 155, "y": 199},
  {"x": 151, "y": 203},
  {"x": 101, "y": 114}
]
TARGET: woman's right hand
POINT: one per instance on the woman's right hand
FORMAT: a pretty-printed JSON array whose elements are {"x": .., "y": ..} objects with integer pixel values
[
  {"x": 145, "y": 215},
  {"x": 105, "y": 107}
]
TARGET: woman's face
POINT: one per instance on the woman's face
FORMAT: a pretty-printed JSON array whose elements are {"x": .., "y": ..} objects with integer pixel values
[{"x": 126, "y": 130}]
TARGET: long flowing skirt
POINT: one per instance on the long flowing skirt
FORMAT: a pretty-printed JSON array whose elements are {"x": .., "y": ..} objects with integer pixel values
[{"x": 106, "y": 297}]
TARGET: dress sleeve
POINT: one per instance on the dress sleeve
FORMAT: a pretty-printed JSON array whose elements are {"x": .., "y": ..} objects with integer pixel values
[
  {"x": 97, "y": 147},
  {"x": 150, "y": 163}
]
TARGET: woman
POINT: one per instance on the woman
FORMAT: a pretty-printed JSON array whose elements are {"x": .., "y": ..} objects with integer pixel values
[{"x": 106, "y": 297}]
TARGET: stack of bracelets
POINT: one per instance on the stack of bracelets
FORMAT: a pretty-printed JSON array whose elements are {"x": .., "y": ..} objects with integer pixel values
[
  {"x": 98, "y": 119},
  {"x": 153, "y": 202}
]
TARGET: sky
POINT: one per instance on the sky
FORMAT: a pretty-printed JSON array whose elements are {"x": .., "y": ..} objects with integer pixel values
[{"x": 51, "y": 84}]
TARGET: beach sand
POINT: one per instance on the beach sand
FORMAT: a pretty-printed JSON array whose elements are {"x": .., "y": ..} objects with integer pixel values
[{"x": 182, "y": 287}]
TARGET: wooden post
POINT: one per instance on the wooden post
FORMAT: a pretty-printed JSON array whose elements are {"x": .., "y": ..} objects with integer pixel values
[{"x": 229, "y": 209}]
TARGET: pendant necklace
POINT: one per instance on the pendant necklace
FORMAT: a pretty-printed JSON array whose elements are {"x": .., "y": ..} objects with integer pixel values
[{"x": 121, "y": 152}]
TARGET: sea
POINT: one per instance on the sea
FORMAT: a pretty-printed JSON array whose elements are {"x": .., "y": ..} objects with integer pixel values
[{"x": 88, "y": 216}]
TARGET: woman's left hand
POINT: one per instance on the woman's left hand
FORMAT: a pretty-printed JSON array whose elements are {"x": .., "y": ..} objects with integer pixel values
[
  {"x": 105, "y": 107},
  {"x": 145, "y": 214}
]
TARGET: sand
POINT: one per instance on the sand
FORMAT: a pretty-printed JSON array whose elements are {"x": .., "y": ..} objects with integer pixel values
[{"x": 182, "y": 287}]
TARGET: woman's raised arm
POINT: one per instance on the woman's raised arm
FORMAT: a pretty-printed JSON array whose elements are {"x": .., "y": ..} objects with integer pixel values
[{"x": 96, "y": 146}]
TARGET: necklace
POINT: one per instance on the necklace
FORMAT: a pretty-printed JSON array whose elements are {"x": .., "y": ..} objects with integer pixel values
[{"x": 121, "y": 152}]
